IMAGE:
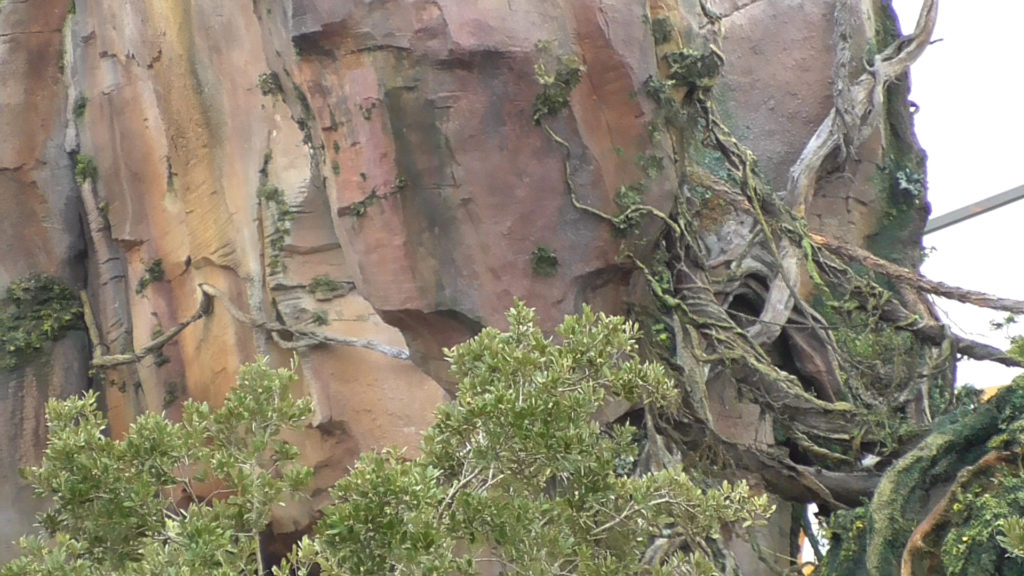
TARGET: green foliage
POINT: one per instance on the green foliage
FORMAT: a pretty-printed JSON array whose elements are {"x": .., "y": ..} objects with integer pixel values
[
  {"x": 1012, "y": 538},
  {"x": 986, "y": 524},
  {"x": 650, "y": 164},
  {"x": 662, "y": 30},
  {"x": 847, "y": 533},
  {"x": 320, "y": 318},
  {"x": 901, "y": 185},
  {"x": 269, "y": 83},
  {"x": 875, "y": 355},
  {"x": 556, "y": 86},
  {"x": 325, "y": 288},
  {"x": 153, "y": 272},
  {"x": 1016, "y": 348},
  {"x": 693, "y": 68},
  {"x": 283, "y": 216},
  {"x": 85, "y": 169},
  {"x": 81, "y": 102},
  {"x": 111, "y": 509},
  {"x": 358, "y": 209},
  {"x": 629, "y": 199},
  {"x": 911, "y": 184},
  {"x": 335, "y": 168},
  {"x": 36, "y": 309},
  {"x": 517, "y": 471},
  {"x": 662, "y": 93},
  {"x": 544, "y": 261}
]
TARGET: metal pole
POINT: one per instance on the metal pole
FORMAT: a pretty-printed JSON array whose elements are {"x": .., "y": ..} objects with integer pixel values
[{"x": 971, "y": 210}]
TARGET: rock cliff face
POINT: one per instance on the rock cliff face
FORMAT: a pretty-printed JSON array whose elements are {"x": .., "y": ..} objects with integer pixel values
[
  {"x": 362, "y": 170},
  {"x": 41, "y": 232}
]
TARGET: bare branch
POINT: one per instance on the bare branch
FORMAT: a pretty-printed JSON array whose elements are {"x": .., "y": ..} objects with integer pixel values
[
  {"x": 300, "y": 338},
  {"x": 861, "y": 101},
  {"x": 284, "y": 336},
  {"x": 914, "y": 280},
  {"x": 110, "y": 361}
]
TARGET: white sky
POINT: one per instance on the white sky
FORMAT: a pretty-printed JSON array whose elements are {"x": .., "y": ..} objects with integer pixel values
[{"x": 969, "y": 87}]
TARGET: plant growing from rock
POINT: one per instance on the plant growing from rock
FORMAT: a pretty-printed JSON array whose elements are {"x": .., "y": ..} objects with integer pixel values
[
  {"x": 35, "y": 310},
  {"x": 555, "y": 86},
  {"x": 85, "y": 169},
  {"x": 544, "y": 261},
  {"x": 153, "y": 271}
]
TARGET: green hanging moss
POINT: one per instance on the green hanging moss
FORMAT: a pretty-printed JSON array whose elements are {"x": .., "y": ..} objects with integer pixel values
[{"x": 35, "y": 310}]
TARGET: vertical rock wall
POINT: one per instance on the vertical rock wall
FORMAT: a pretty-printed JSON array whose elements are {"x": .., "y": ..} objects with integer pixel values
[
  {"x": 40, "y": 233},
  {"x": 365, "y": 169}
]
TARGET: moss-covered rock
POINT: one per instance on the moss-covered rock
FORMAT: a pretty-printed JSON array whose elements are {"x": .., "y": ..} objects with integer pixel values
[{"x": 35, "y": 310}]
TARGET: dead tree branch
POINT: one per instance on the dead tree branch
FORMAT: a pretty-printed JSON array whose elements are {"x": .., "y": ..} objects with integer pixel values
[
  {"x": 284, "y": 336},
  {"x": 109, "y": 361},
  {"x": 299, "y": 338},
  {"x": 860, "y": 103},
  {"x": 914, "y": 280}
]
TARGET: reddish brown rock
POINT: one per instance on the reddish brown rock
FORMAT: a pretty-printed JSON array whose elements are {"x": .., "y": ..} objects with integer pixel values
[
  {"x": 430, "y": 107},
  {"x": 40, "y": 233},
  {"x": 394, "y": 154}
]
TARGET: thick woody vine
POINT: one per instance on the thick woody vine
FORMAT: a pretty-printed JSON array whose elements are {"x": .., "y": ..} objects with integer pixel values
[{"x": 832, "y": 413}]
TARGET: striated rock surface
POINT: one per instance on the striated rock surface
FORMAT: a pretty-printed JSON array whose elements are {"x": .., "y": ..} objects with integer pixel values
[
  {"x": 40, "y": 233},
  {"x": 363, "y": 169}
]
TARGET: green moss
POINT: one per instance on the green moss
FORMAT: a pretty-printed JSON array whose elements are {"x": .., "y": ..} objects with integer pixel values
[
  {"x": 154, "y": 272},
  {"x": 901, "y": 188},
  {"x": 79, "y": 108},
  {"x": 875, "y": 352},
  {"x": 544, "y": 261},
  {"x": 650, "y": 164},
  {"x": 36, "y": 309},
  {"x": 282, "y": 217},
  {"x": 269, "y": 83},
  {"x": 556, "y": 87},
  {"x": 358, "y": 209},
  {"x": 85, "y": 169},
  {"x": 628, "y": 198},
  {"x": 694, "y": 68},
  {"x": 973, "y": 545},
  {"x": 325, "y": 288},
  {"x": 957, "y": 440},
  {"x": 901, "y": 182},
  {"x": 320, "y": 318},
  {"x": 660, "y": 91},
  {"x": 336, "y": 167},
  {"x": 662, "y": 30},
  {"x": 847, "y": 533}
]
